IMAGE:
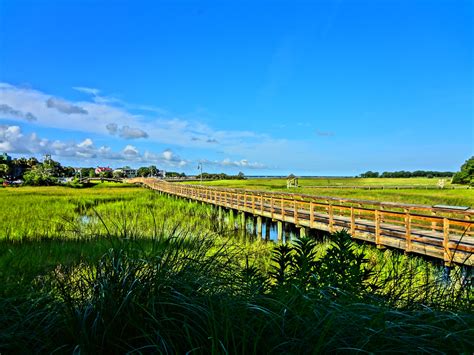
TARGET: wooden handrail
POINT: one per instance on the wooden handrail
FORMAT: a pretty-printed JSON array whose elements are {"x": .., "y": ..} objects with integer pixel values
[{"x": 447, "y": 236}]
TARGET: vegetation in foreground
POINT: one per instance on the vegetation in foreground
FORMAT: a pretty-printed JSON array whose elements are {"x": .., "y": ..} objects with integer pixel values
[{"x": 153, "y": 283}]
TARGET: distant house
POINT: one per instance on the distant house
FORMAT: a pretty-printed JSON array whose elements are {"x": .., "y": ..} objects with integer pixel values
[
  {"x": 130, "y": 173},
  {"x": 161, "y": 174},
  {"x": 126, "y": 172},
  {"x": 103, "y": 169}
]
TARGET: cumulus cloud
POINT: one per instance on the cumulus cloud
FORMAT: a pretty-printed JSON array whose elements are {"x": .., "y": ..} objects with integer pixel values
[
  {"x": 244, "y": 163},
  {"x": 120, "y": 119},
  {"x": 65, "y": 107},
  {"x": 130, "y": 151},
  {"x": 167, "y": 157},
  {"x": 13, "y": 140},
  {"x": 10, "y": 111},
  {"x": 86, "y": 143}
]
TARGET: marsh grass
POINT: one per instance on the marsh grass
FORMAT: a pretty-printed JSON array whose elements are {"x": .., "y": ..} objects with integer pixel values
[
  {"x": 458, "y": 197},
  {"x": 144, "y": 273}
]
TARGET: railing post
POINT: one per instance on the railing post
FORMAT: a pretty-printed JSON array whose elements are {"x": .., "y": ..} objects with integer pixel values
[
  {"x": 408, "y": 232},
  {"x": 311, "y": 214},
  {"x": 272, "y": 209},
  {"x": 282, "y": 209},
  {"x": 353, "y": 227},
  {"x": 433, "y": 223},
  {"x": 253, "y": 203},
  {"x": 331, "y": 219},
  {"x": 447, "y": 251},
  {"x": 261, "y": 204},
  {"x": 295, "y": 212},
  {"x": 377, "y": 227}
]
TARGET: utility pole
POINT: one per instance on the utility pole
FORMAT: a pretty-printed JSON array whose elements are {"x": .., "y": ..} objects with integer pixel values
[{"x": 200, "y": 167}]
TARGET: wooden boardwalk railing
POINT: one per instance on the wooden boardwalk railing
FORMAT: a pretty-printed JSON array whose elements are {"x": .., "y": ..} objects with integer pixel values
[{"x": 442, "y": 233}]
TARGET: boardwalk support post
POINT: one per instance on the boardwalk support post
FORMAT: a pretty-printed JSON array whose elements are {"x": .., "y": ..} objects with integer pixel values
[
  {"x": 268, "y": 227},
  {"x": 279, "y": 230},
  {"x": 302, "y": 232},
  {"x": 259, "y": 227},
  {"x": 219, "y": 215},
  {"x": 231, "y": 219},
  {"x": 243, "y": 223}
]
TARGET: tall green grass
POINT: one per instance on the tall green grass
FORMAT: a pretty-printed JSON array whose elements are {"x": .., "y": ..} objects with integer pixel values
[
  {"x": 176, "y": 296},
  {"x": 132, "y": 271}
]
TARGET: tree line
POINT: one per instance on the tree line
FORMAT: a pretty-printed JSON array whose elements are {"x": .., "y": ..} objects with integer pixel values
[
  {"x": 33, "y": 172},
  {"x": 464, "y": 176},
  {"x": 406, "y": 174}
]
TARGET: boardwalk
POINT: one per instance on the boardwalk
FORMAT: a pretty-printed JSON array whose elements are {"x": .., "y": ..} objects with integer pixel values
[{"x": 442, "y": 233}]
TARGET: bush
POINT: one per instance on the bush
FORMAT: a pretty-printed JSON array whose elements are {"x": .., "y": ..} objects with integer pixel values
[{"x": 466, "y": 174}]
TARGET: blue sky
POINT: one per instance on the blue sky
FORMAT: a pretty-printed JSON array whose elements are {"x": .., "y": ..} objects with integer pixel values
[{"x": 263, "y": 87}]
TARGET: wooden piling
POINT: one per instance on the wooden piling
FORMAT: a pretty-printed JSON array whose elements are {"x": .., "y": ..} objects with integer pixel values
[
  {"x": 268, "y": 227},
  {"x": 279, "y": 230},
  {"x": 259, "y": 227}
]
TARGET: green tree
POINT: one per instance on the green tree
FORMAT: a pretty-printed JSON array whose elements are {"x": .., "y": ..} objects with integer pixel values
[
  {"x": 4, "y": 170},
  {"x": 117, "y": 174},
  {"x": 370, "y": 174},
  {"x": 143, "y": 171},
  {"x": 466, "y": 175},
  {"x": 39, "y": 175},
  {"x": 106, "y": 174}
]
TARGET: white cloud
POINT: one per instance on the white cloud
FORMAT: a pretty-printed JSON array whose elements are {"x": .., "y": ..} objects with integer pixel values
[
  {"x": 103, "y": 114},
  {"x": 86, "y": 143},
  {"x": 13, "y": 140},
  {"x": 105, "y": 118},
  {"x": 90, "y": 91},
  {"x": 130, "y": 151},
  {"x": 228, "y": 163}
]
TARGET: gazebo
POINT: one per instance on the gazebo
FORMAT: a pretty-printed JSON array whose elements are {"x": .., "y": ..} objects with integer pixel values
[{"x": 291, "y": 181}]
